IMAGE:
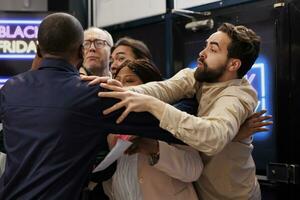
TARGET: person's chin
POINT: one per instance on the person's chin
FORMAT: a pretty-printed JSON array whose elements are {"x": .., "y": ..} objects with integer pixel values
[{"x": 92, "y": 63}]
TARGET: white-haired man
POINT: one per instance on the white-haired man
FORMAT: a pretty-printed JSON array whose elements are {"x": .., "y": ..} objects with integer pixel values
[{"x": 96, "y": 52}]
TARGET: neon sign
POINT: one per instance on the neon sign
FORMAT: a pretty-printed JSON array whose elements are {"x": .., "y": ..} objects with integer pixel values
[
  {"x": 18, "y": 38},
  {"x": 260, "y": 79},
  {"x": 3, "y": 79}
]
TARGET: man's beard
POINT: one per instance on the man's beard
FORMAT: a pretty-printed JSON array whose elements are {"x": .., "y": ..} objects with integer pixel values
[{"x": 209, "y": 75}]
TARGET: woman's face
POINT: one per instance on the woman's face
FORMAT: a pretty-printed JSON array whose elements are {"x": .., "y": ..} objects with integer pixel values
[
  {"x": 118, "y": 56},
  {"x": 128, "y": 78}
]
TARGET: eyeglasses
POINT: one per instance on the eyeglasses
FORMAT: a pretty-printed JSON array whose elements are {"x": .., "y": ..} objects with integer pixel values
[{"x": 97, "y": 44}]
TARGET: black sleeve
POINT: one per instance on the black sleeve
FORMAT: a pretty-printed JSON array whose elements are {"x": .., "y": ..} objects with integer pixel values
[
  {"x": 142, "y": 124},
  {"x": 2, "y": 148}
]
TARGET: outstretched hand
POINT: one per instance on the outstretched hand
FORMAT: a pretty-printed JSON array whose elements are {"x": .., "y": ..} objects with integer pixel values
[
  {"x": 132, "y": 101},
  {"x": 95, "y": 80},
  {"x": 255, "y": 123}
]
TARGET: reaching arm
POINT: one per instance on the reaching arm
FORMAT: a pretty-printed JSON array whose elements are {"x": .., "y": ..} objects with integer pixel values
[
  {"x": 178, "y": 87},
  {"x": 207, "y": 134},
  {"x": 142, "y": 124}
]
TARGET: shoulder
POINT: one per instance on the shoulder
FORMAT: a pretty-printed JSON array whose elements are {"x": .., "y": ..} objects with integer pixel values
[
  {"x": 16, "y": 80},
  {"x": 186, "y": 72},
  {"x": 243, "y": 91}
]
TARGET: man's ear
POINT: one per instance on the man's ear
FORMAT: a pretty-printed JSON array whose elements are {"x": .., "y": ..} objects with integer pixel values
[
  {"x": 234, "y": 64},
  {"x": 38, "y": 51}
]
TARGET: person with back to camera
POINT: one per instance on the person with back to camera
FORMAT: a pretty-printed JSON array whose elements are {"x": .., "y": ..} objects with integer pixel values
[{"x": 226, "y": 100}]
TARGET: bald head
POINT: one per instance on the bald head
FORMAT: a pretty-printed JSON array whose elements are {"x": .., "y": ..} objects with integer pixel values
[{"x": 60, "y": 34}]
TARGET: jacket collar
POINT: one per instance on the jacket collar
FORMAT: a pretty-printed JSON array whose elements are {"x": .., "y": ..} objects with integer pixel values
[{"x": 57, "y": 64}]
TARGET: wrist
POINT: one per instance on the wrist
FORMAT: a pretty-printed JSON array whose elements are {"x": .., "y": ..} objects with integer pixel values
[{"x": 156, "y": 107}]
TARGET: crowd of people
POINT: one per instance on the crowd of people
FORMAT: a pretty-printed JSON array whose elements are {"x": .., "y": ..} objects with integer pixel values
[{"x": 191, "y": 134}]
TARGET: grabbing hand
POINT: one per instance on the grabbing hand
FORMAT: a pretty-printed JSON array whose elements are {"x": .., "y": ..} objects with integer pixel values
[
  {"x": 133, "y": 102},
  {"x": 95, "y": 80},
  {"x": 255, "y": 123}
]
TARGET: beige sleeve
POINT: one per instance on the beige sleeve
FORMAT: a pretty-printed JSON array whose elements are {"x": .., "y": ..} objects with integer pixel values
[
  {"x": 180, "y": 162},
  {"x": 179, "y": 86},
  {"x": 209, "y": 134}
]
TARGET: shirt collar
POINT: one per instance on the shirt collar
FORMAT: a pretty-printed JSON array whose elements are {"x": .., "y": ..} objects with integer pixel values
[{"x": 57, "y": 64}]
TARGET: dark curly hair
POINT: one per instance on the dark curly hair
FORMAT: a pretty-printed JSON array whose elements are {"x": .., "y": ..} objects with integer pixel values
[
  {"x": 143, "y": 68},
  {"x": 245, "y": 45}
]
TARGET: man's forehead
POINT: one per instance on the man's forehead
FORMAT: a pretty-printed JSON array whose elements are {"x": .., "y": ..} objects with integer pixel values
[
  {"x": 219, "y": 37},
  {"x": 95, "y": 34}
]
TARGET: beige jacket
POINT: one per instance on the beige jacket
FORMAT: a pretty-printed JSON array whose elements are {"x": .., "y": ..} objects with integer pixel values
[
  {"x": 169, "y": 179},
  {"x": 229, "y": 170},
  {"x": 172, "y": 177}
]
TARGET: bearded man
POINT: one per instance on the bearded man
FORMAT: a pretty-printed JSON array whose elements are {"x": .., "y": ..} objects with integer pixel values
[{"x": 225, "y": 99}]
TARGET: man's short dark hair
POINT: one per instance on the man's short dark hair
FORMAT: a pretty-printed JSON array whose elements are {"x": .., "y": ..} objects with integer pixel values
[
  {"x": 60, "y": 34},
  {"x": 245, "y": 44}
]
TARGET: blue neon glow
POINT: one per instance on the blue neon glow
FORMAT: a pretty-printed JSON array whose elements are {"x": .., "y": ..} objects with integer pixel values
[
  {"x": 3, "y": 79},
  {"x": 260, "y": 79},
  {"x": 192, "y": 64},
  {"x": 21, "y": 21},
  {"x": 261, "y": 87}
]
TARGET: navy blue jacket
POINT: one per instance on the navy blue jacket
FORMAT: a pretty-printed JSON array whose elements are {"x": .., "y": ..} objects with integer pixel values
[{"x": 53, "y": 129}]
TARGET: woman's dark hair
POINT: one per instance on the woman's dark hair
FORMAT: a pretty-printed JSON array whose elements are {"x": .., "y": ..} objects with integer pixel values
[
  {"x": 139, "y": 48},
  {"x": 144, "y": 69}
]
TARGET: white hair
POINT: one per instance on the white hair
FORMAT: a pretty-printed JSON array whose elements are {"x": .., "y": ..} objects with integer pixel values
[{"x": 109, "y": 38}]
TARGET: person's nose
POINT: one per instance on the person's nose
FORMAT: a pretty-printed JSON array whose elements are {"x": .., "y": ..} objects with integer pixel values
[
  {"x": 114, "y": 67},
  {"x": 202, "y": 54},
  {"x": 92, "y": 47}
]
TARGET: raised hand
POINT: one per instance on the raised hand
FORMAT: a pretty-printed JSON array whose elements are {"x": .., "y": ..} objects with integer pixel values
[
  {"x": 132, "y": 101},
  {"x": 95, "y": 80},
  {"x": 255, "y": 123}
]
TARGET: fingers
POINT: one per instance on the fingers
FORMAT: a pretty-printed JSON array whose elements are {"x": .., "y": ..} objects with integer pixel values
[
  {"x": 257, "y": 114},
  {"x": 262, "y": 118},
  {"x": 114, "y": 82},
  {"x": 113, "y": 87},
  {"x": 98, "y": 80},
  {"x": 114, "y": 108},
  {"x": 261, "y": 129},
  {"x": 123, "y": 116},
  {"x": 116, "y": 95},
  {"x": 87, "y": 78},
  {"x": 261, "y": 124}
]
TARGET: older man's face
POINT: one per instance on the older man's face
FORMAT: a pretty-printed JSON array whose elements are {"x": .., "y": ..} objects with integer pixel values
[{"x": 96, "y": 51}]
